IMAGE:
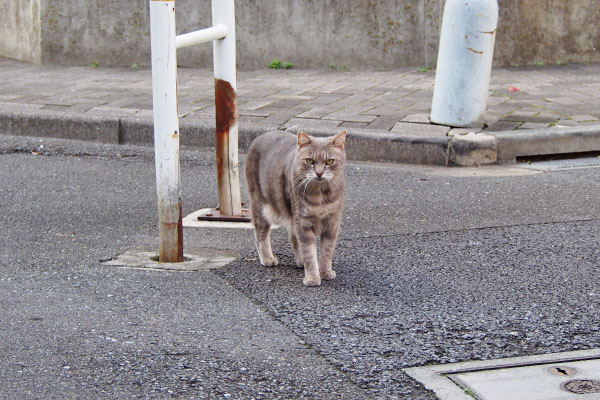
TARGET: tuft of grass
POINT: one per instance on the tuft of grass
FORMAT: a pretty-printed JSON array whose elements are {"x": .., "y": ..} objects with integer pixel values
[
  {"x": 275, "y": 64},
  {"x": 341, "y": 68},
  {"x": 134, "y": 66},
  {"x": 539, "y": 63},
  {"x": 94, "y": 64},
  {"x": 423, "y": 69}
]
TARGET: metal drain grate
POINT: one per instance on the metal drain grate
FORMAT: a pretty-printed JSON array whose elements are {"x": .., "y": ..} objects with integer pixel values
[
  {"x": 581, "y": 386},
  {"x": 552, "y": 165}
]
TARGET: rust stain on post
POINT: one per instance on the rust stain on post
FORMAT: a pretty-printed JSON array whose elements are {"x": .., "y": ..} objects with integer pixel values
[
  {"x": 170, "y": 228},
  {"x": 474, "y": 51},
  {"x": 226, "y": 116}
]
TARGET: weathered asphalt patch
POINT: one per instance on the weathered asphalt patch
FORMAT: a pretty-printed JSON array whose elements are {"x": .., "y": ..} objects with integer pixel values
[
  {"x": 202, "y": 259},
  {"x": 557, "y": 376}
]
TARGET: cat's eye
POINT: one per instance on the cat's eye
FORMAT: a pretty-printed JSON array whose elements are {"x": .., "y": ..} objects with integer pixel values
[
  {"x": 329, "y": 161},
  {"x": 310, "y": 161}
]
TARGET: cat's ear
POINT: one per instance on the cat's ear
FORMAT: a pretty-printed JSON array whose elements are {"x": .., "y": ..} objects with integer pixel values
[
  {"x": 339, "y": 140},
  {"x": 303, "y": 139}
]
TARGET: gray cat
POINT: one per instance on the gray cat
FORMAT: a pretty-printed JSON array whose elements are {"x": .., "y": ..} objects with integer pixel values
[{"x": 298, "y": 182}]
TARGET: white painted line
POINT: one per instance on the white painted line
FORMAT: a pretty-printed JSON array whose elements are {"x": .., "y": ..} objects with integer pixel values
[{"x": 191, "y": 221}]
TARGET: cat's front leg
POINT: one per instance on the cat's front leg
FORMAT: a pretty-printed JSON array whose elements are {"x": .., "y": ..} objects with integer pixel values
[
  {"x": 328, "y": 241},
  {"x": 307, "y": 243}
]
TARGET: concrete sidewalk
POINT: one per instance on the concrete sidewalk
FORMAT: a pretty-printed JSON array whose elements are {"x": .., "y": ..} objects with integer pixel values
[{"x": 531, "y": 111}]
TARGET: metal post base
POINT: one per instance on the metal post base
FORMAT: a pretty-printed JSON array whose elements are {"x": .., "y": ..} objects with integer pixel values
[{"x": 214, "y": 214}]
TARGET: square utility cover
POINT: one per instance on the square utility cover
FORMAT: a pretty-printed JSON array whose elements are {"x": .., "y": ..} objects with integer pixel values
[
  {"x": 535, "y": 382},
  {"x": 560, "y": 376}
]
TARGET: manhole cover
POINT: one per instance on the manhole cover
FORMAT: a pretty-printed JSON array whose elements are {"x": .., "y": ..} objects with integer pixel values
[{"x": 581, "y": 386}]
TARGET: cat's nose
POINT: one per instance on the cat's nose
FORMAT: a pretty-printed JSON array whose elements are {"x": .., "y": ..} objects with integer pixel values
[{"x": 319, "y": 174}]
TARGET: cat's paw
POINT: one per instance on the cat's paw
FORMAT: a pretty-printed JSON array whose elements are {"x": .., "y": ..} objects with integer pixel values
[
  {"x": 269, "y": 261},
  {"x": 299, "y": 263},
  {"x": 311, "y": 280},
  {"x": 328, "y": 274}
]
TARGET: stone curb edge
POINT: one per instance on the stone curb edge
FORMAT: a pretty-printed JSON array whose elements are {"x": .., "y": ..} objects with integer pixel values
[
  {"x": 506, "y": 146},
  {"x": 471, "y": 149}
]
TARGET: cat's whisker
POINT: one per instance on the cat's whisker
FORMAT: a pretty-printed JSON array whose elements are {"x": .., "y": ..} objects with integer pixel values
[
  {"x": 307, "y": 181},
  {"x": 333, "y": 184},
  {"x": 299, "y": 179},
  {"x": 303, "y": 185}
]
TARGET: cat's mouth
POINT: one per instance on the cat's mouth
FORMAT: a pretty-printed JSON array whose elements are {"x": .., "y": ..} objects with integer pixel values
[{"x": 319, "y": 179}]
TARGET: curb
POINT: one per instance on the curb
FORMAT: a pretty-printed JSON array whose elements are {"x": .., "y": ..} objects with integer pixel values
[
  {"x": 60, "y": 125},
  {"x": 377, "y": 146},
  {"x": 114, "y": 129},
  {"x": 473, "y": 149},
  {"x": 470, "y": 149},
  {"x": 513, "y": 144},
  {"x": 363, "y": 145}
]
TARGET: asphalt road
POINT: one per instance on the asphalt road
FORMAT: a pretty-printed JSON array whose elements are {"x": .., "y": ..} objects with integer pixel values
[{"x": 435, "y": 265}]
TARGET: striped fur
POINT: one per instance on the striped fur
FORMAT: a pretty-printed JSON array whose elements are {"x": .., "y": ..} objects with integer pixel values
[{"x": 292, "y": 184}]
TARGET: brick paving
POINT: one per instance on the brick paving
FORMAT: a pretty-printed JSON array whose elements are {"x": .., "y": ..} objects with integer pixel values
[{"x": 383, "y": 101}]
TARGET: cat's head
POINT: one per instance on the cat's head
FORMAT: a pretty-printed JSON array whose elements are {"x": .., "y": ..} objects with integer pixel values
[{"x": 321, "y": 159}]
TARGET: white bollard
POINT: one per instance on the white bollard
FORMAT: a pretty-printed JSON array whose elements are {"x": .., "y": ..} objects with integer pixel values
[
  {"x": 228, "y": 175},
  {"x": 166, "y": 129},
  {"x": 464, "y": 62}
]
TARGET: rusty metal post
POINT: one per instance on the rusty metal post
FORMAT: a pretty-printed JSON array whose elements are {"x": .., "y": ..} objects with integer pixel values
[
  {"x": 228, "y": 175},
  {"x": 166, "y": 129}
]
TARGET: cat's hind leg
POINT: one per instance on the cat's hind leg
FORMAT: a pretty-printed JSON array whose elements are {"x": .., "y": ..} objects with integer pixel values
[
  {"x": 296, "y": 250},
  {"x": 262, "y": 235}
]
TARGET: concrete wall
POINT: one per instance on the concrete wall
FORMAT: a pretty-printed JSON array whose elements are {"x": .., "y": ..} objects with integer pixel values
[
  {"x": 548, "y": 30},
  {"x": 379, "y": 34},
  {"x": 363, "y": 33},
  {"x": 20, "y": 30},
  {"x": 109, "y": 32},
  {"x": 308, "y": 33}
]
